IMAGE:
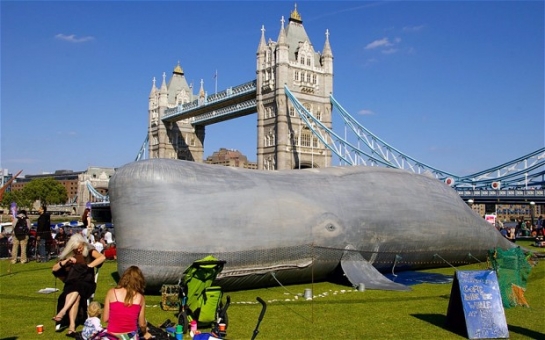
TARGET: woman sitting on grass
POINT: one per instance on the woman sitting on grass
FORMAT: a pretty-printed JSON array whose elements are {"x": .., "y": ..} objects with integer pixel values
[{"x": 124, "y": 306}]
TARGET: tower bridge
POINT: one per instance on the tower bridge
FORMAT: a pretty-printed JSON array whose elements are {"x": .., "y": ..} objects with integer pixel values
[{"x": 292, "y": 97}]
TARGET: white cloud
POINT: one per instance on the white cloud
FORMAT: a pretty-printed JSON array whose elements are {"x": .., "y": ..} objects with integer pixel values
[
  {"x": 390, "y": 51},
  {"x": 365, "y": 112},
  {"x": 384, "y": 42},
  {"x": 72, "y": 38},
  {"x": 413, "y": 28}
]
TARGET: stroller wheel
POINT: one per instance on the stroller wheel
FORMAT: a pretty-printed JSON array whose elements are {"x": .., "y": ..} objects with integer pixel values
[{"x": 182, "y": 320}]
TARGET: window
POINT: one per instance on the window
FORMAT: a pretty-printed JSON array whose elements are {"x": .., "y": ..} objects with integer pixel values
[
  {"x": 314, "y": 142},
  {"x": 305, "y": 137},
  {"x": 270, "y": 141},
  {"x": 292, "y": 111},
  {"x": 296, "y": 76}
]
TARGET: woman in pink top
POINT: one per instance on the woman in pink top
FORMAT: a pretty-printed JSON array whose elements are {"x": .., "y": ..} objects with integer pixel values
[{"x": 124, "y": 305}]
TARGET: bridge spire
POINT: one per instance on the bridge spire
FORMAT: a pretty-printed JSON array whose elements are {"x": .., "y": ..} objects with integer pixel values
[
  {"x": 201, "y": 91},
  {"x": 282, "y": 34},
  {"x": 153, "y": 88},
  {"x": 295, "y": 16},
  {"x": 163, "y": 97},
  {"x": 178, "y": 69},
  {"x": 326, "y": 52},
  {"x": 262, "y": 43}
]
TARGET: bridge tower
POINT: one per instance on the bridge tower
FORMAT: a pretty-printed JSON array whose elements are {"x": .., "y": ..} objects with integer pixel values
[
  {"x": 177, "y": 140},
  {"x": 284, "y": 142}
]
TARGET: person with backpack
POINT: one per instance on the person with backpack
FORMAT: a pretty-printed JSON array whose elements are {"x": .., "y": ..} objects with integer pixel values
[{"x": 21, "y": 230}]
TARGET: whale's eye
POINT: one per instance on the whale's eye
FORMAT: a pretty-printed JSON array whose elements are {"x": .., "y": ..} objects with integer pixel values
[{"x": 330, "y": 227}]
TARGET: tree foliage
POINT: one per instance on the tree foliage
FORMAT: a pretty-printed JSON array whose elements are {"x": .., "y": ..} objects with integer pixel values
[
  {"x": 46, "y": 190},
  {"x": 18, "y": 197}
]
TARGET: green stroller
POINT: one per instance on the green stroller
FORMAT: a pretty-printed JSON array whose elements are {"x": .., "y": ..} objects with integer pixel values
[{"x": 199, "y": 300}]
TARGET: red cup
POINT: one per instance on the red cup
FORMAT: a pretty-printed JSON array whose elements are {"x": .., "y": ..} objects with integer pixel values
[
  {"x": 222, "y": 327},
  {"x": 40, "y": 329}
]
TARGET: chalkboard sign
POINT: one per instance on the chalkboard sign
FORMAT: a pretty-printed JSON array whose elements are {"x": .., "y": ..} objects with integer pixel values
[{"x": 475, "y": 305}]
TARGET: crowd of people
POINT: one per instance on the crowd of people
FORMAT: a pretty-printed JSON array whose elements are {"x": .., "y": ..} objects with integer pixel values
[
  {"x": 80, "y": 254},
  {"x": 523, "y": 228},
  {"x": 43, "y": 242}
]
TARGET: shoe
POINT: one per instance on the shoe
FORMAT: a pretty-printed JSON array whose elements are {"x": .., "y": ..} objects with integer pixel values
[
  {"x": 59, "y": 328},
  {"x": 71, "y": 334},
  {"x": 13, "y": 261}
]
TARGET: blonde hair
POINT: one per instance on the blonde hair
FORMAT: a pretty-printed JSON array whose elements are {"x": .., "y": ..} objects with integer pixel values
[
  {"x": 94, "y": 309},
  {"x": 73, "y": 243}
]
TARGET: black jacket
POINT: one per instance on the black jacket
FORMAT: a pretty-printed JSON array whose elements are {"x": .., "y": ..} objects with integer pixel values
[{"x": 44, "y": 227}]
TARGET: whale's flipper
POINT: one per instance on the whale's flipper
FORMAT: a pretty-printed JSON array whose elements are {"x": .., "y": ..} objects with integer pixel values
[{"x": 358, "y": 270}]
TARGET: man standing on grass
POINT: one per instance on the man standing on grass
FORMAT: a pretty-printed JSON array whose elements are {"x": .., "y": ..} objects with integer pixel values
[{"x": 43, "y": 234}]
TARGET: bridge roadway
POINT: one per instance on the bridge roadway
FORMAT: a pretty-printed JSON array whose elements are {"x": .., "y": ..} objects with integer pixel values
[
  {"x": 234, "y": 102},
  {"x": 504, "y": 196}
]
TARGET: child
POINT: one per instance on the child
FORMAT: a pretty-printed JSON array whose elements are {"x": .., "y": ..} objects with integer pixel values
[{"x": 92, "y": 324}]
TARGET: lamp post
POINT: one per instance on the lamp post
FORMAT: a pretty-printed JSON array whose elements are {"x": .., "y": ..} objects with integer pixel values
[{"x": 532, "y": 206}]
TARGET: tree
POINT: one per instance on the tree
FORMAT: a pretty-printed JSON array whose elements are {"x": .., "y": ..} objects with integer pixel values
[
  {"x": 46, "y": 190},
  {"x": 17, "y": 197}
]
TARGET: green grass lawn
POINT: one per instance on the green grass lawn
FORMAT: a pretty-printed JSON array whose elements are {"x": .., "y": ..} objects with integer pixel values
[{"x": 336, "y": 312}]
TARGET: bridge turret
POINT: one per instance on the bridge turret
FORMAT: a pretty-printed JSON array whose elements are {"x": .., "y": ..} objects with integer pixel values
[
  {"x": 327, "y": 64},
  {"x": 283, "y": 142},
  {"x": 163, "y": 96},
  {"x": 262, "y": 44},
  {"x": 153, "y": 96}
]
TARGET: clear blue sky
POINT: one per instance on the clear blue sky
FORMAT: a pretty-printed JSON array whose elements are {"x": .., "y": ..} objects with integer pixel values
[{"x": 458, "y": 85}]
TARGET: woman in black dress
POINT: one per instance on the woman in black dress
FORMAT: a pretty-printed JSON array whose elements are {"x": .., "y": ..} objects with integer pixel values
[{"x": 76, "y": 268}]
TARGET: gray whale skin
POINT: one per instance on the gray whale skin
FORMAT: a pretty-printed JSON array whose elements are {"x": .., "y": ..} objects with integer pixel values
[{"x": 290, "y": 226}]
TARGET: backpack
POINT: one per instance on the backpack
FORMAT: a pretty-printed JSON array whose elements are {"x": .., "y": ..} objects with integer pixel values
[{"x": 21, "y": 229}]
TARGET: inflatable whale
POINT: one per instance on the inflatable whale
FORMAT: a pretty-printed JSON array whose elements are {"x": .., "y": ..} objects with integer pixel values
[{"x": 290, "y": 226}]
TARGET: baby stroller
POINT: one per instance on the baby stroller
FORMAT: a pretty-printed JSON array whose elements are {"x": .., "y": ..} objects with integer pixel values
[{"x": 199, "y": 300}]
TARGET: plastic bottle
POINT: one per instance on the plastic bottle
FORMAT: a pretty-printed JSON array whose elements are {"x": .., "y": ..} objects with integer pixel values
[{"x": 179, "y": 332}]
